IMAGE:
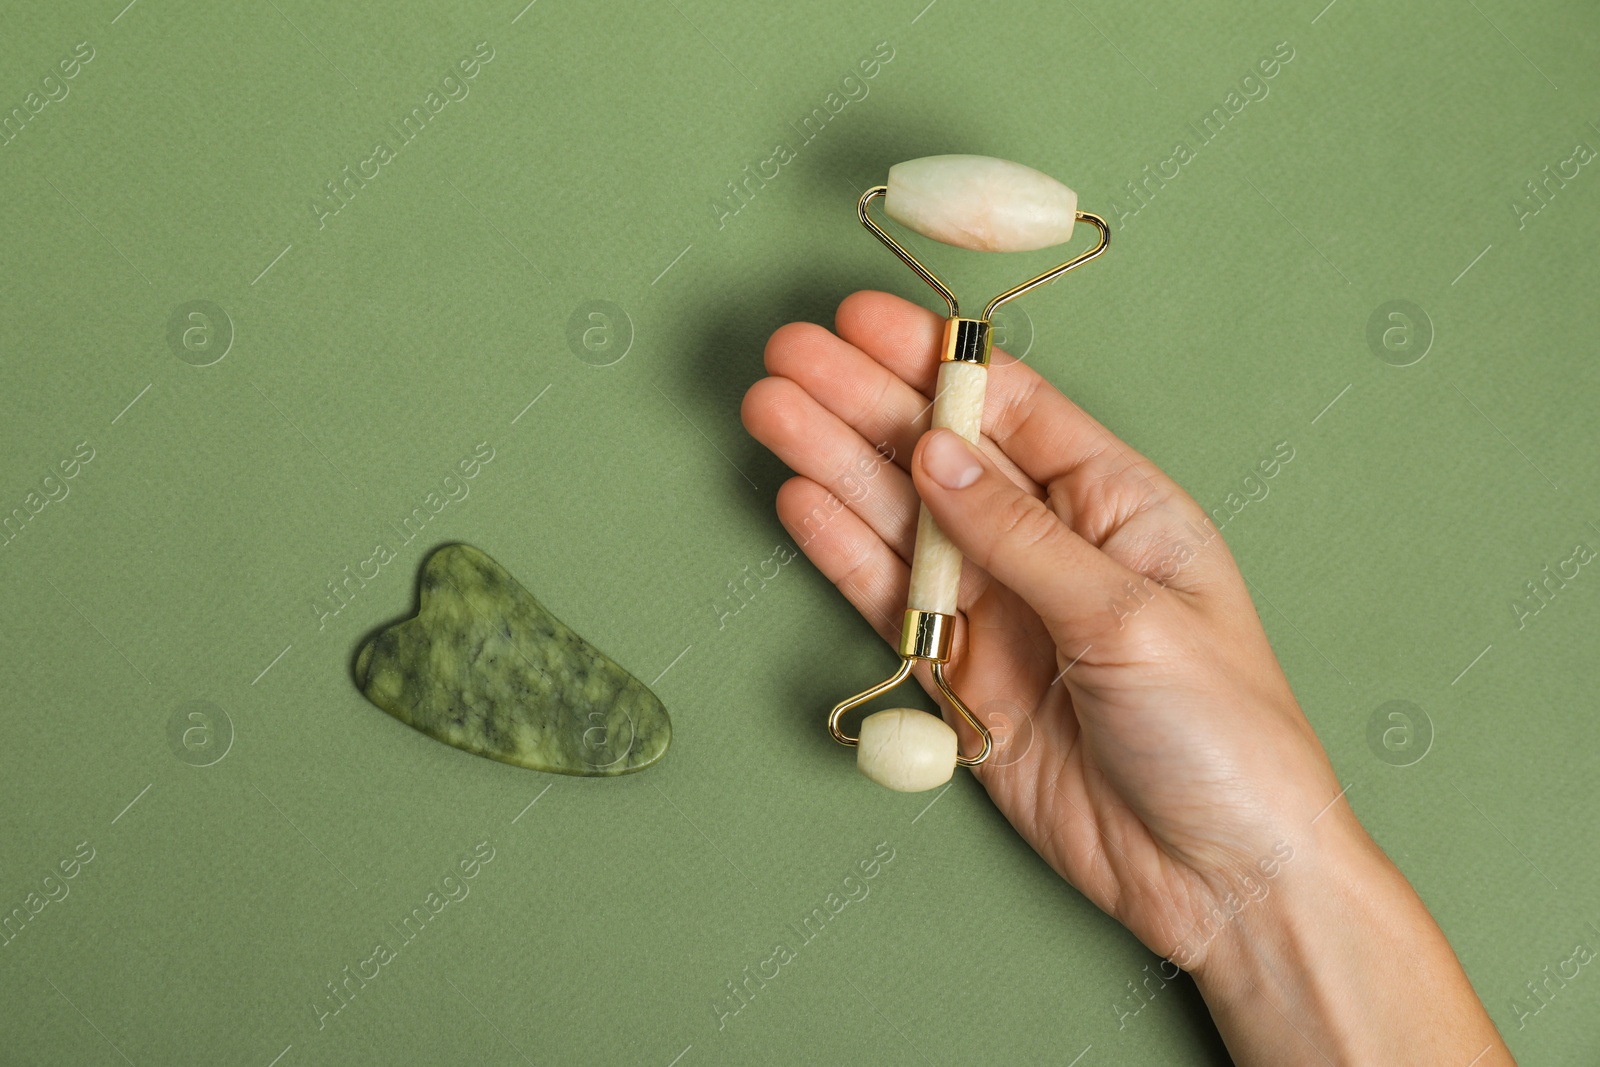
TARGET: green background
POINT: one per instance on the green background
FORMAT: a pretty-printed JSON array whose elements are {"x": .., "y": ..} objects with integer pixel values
[{"x": 370, "y": 354}]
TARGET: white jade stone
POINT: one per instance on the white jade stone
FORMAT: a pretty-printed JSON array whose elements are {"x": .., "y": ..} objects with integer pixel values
[
  {"x": 906, "y": 750},
  {"x": 978, "y": 202}
]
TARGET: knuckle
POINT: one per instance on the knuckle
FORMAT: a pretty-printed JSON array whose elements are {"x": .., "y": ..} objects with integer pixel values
[
  {"x": 1024, "y": 523},
  {"x": 855, "y": 576},
  {"x": 1018, "y": 407},
  {"x": 879, "y": 400}
]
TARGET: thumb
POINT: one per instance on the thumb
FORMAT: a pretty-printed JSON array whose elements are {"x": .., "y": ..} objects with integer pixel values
[{"x": 1016, "y": 537}]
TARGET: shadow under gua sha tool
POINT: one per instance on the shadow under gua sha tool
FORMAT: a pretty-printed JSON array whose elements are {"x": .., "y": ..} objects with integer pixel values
[{"x": 988, "y": 205}]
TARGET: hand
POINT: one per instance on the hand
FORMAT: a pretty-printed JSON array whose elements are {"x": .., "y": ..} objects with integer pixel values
[{"x": 1165, "y": 768}]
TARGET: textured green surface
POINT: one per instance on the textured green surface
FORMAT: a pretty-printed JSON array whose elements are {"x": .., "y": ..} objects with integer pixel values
[
  {"x": 218, "y": 547},
  {"x": 484, "y": 667}
]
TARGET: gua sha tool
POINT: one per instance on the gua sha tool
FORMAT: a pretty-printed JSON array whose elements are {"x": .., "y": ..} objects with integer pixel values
[
  {"x": 485, "y": 667},
  {"x": 988, "y": 205}
]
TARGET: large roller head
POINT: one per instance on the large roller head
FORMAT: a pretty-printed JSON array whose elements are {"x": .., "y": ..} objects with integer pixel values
[{"x": 982, "y": 203}]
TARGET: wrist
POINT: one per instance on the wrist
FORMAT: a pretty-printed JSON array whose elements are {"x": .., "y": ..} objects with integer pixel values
[
  {"x": 1336, "y": 881},
  {"x": 1340, "y": 962}
]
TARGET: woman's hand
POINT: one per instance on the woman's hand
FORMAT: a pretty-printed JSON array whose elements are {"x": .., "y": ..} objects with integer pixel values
[{"x": 1150, "y": 747}]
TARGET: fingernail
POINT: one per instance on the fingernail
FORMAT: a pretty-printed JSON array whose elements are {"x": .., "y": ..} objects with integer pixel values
[{"x": 949, "y": 460}]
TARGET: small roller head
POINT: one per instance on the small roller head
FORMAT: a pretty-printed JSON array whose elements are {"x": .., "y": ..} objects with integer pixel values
[
  {"x": 982, "y": 203},
  {"x": 906, "y": 750}
]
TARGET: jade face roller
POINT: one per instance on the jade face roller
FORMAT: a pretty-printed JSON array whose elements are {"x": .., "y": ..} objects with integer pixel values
[{"x": 988, "y": 205}]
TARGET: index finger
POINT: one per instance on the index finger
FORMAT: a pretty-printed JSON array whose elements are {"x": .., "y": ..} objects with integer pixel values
[{"x": 1050, "y": 438}]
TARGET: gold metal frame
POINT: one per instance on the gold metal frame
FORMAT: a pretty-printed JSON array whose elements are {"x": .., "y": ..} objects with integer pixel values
[
  {"x": 927, "y": 635},
  {"x": 1010, "y": 294},
  {"x": 924, "y": 635}
]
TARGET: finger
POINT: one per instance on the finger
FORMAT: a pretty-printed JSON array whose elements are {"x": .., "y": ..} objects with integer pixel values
[
  {"x": 848, "y": 383},
  {"x": 1017, "y": 539},
  {"x": 847, "y": 552},
  {"x": 1052, "y": 440},
  {"x": 1003, "y": 649},
  {"x": 814, "y": 442},
  {"x": 862, "y": 392},
  {"x": 1109, "y": 494},
  {"x": 902, "y": 336}
]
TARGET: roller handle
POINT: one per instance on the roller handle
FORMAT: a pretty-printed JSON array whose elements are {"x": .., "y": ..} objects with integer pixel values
[{"x": 936, "y": 562}]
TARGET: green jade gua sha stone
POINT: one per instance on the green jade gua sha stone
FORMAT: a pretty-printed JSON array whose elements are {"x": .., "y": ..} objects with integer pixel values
[{"x": 484, "y": 667}]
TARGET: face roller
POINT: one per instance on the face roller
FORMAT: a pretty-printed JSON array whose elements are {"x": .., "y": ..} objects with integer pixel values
[{"x": 988, "y": 205}]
